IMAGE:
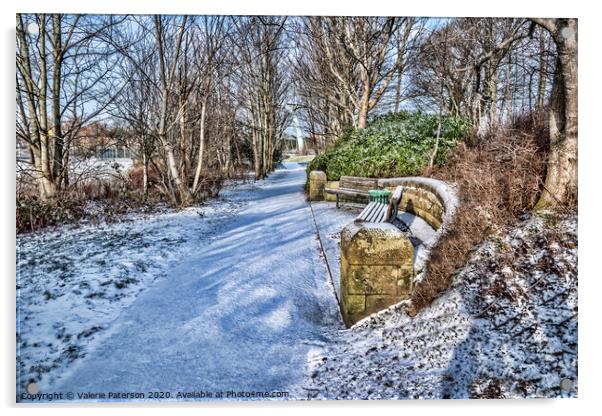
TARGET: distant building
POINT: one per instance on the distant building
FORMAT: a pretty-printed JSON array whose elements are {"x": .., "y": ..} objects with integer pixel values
[
  {"x": 292, "y": 144},
  {"x": 96, "y": 148}
]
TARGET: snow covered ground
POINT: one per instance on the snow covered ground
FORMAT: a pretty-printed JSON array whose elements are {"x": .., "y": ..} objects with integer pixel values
[
  {"x": 169, "y": 303},
  {"x": 330, "y": 221},
  {"x": 506, "y": 328},
  {"x": 234, "y": 297},
  {"x": 73, "y": 282}
]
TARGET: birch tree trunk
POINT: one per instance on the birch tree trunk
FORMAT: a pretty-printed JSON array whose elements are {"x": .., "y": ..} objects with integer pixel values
[{"x": 199, "y": 166}]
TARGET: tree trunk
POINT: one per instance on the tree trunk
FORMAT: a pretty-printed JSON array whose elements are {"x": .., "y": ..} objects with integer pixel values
[
  {"x": 541, "y": 87},
  {"x": 144, "y": 173},
  {"x": 493, "y": 81},
  {"x": 199, "y": 165},
  {"x": 58, "y": 169},
  {"x": 257, "y": 153},
  {"x": 184, "y": 197},
  {"x": 437, "y": 139},
  {"x": 561, "y": 178},
  {"x": 46, "y": 177},
  {"x": 398, "y": 90},
  {"x": 364, "y": 107}
]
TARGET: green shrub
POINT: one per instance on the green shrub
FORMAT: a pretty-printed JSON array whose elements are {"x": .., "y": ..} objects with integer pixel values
[
  {"x": 394, "y": 144},
  {"x": 33, "y": 213}
]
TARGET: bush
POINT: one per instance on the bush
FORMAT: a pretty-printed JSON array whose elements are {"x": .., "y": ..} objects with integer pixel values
[
  {"x": 100, "y": 200},
  {"x": 395, "y": 144},
  {"x": 33, "y": 213},
  {"x": 91, "y": 200},
  {"x": 499, "y": 179}
]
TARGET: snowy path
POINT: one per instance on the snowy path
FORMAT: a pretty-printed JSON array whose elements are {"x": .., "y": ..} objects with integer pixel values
[{"x": 240, "y": 314}]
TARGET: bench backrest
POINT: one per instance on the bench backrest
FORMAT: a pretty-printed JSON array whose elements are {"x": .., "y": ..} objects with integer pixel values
[{"x": 359, "y": 183}]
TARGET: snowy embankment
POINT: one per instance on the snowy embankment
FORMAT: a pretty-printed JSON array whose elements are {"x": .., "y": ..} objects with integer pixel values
[
  {"x": 73, "y": 282},
  {"x": 506, "y": 328}
]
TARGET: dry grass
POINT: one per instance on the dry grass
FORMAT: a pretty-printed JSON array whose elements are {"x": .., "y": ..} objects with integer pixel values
[
  {"x": 499, "y": 178},
  {"x": 94, "y": 201},
  {"x": 100, "y": 200}
]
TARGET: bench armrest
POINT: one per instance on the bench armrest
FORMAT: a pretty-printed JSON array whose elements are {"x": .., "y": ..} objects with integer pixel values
[
  {"x": 397, "y": 194},
  {"x": 394, "y": 204}
]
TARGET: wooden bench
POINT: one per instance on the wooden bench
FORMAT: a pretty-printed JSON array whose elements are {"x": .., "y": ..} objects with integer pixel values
[
  {"x": 354, "y": 187},
  {"x": 379, "y": 211}
]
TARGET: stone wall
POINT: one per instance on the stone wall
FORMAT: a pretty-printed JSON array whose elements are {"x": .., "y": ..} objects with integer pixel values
[{"x": 422, "y": 197}]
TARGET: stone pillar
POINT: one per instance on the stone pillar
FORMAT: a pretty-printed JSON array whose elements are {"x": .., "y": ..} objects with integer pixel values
[
  {"x": 376, "y": 269},
  {"x": 317, "y": 182}
]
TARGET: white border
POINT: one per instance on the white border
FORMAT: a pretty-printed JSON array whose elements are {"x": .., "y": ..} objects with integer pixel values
[{"x": 590, "y": 151}]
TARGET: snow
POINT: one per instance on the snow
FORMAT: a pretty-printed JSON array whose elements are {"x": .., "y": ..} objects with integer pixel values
[
  {"x": 88, "y": 168},
  {"x": 418, "y": 227},
  {"x": 235, "y": 296},
  {"x": 507, "y": 328},
  {"x": 199, "y": 310},
  {"x": 330, "y": 222},
  {"x": 73, "y": 282}
]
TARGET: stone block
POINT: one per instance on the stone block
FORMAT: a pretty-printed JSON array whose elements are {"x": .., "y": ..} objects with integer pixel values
[
  {"x": 405, "y": 281},
  {"x": 355, "y": 304},
  {"x": 317, "y": 183},
  {"x": 427, "y": 216},
  {"x": 375, "y": 303},
  {"x": 376, "y": 269},
  {"x": 353, "y": 308},
  {"x": 373, "y": 279},
  {"x": 374, "y": 244},
  {"x": 437, "y": 211}
]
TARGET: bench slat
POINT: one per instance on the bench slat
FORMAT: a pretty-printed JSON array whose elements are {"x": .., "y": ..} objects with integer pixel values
[
  {"x": 382, "y": 214},
  {"x": 354, "y": 182},
  {"x": 379, "y": 216},
  {"x": 344, "y": 191},
  {"x": 367, "y": 211},
  {"x": 363, "y": 188},
  {"x": 377, "y": 211},
  {"x": 373, "y": 214},
  {"x": 396, "y": 197}
]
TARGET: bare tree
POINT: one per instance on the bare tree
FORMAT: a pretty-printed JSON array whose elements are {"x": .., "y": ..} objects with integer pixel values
[
  {"x": 210, "y": 55},
  {"x": 196, "y": 96},
  {"x": 345, "y": 66},
  {"x": 262, "y": 87},
  {"x": 64, "y": 81},
  {"x": 170, "y": 36},
  {"x": 561, "y": 177}
]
